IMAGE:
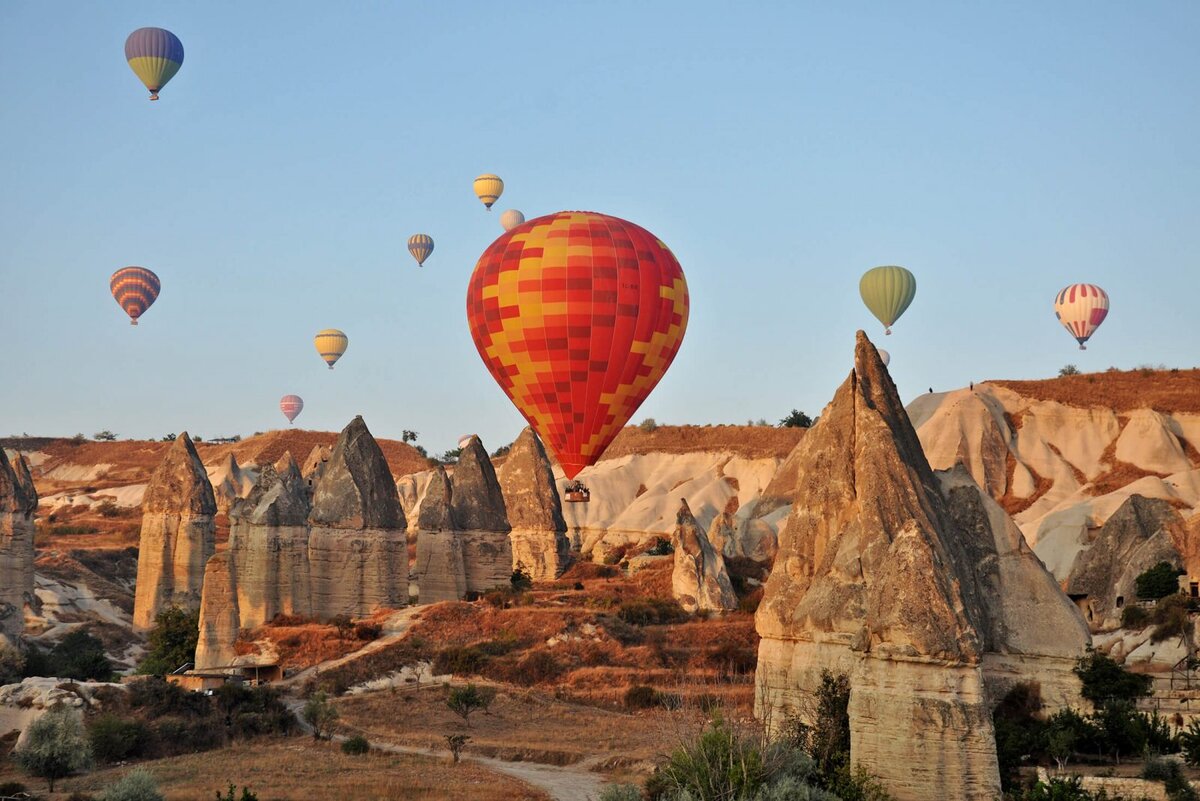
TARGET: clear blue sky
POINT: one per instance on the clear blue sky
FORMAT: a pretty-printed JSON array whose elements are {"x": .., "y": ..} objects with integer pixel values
[{"x": 999, "y": 151}]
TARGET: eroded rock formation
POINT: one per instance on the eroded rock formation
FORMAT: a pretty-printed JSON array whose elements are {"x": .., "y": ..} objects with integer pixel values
[
  {"x": 880, "y": 577},
  {"x": 18, "y": 504},
  {"x": 1139, "y": 535},
  {"x": 177, "y": 537},
  {"x": 230, "y": 483},
  {"x": 534, "y": 509},
  {"x": 699, "y": 580},
  {"x": 219, "y": 621},
  {"x": 440, "y": 571},
  {"x": 477, "y": 508},
  {"x": 268, "y": 541},
  {"x": 357, "y": 551}
]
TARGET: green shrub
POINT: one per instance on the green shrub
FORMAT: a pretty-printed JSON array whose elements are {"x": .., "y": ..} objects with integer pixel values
[
  {"x": 520, "y": 580},
  {"x": 229, "y": 796},
  {"x": 464, "y": 701},
  {"x": 78, "y": 656},
  {"x": 367, "y": 632},
  {"x": 1134, "y": 617},
  {"x": 460, "y": 661},
  {"x": 1189, "y": 741},
  {"x": 137, "y": 785},
  {"x": 356, "y": 745},
  {"x": 55, "y": 747},
  {"x": 1104, "y": 679},
  {"x": 115, "y": 739},
  {"x": 1158, "y": 582},
  {"x": 662, "y": 547},
  {"x": 620, "y": 792},
  {"x": 641, "y": 697},
  {"x": 1019, "y": 732}
]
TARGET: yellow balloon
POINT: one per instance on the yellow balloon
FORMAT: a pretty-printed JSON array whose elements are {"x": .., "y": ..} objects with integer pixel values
[
  {"x": 488, "y": 188},
  {"x": 331, "y": 344}
]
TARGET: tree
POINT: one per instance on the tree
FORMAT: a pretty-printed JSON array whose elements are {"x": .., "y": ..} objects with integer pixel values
[
  {"x": 408, "y": 436},
  {"x": 797, "y": 419},
  {"x": 1158, "y": 582},
  {"x": 172, "y": 641},
  {"x": 451, "y": 456},
  {"x": 344, "y": 625},
  {"x": 321, "y": 714},
  {"x": 104, "y": 436},
  {"x": 136, "y": 785},
  {"x": 1189, "y": 739},
  {"x": 56, "y": 747},
  {"x": 1067, "y": 370},
  {"x": 465, "y": 700},
  {"x": 80, "y": 656},
  {"x": 648, "y": 425},
  {"x": 520, "y": 580},
  {"x": 169, "y": 437},
  {"x": 456, "y": 743},
  {"x": 1104, "y": 680},
  {"x": 229, "y": 796}
]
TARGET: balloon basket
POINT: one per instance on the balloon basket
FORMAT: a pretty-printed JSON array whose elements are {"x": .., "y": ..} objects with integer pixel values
[
  {"x": 154, "y": 97},
  {"x": 133, "y": 322}
]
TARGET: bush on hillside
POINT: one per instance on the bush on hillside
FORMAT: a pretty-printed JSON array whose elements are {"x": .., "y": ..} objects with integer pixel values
[
  {"x": 356, "y": 745},
  {"x": 651, "y": 611},
  {"x": 1158, "y": 582},
  {"x": 1103, "y": 680},
  {"x": 137, "y": 785},
  {"x": 115, "y": 739},
  {"x": 1170, "y": 618},
  {"x": 172, "y": 641},
  {"x": 1134, "y": 617}
]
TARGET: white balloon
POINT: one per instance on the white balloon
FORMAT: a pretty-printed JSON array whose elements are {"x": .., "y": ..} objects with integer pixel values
[
  {"x": 511, "y": 218},
  {"x": 885, "y": 357}
]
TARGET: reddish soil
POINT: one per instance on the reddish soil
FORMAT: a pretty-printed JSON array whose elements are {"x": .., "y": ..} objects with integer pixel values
[{"x": 1119, "y": 390}]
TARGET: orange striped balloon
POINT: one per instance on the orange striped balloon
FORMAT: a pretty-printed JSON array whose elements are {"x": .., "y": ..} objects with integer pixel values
[
  {"x": 577, "y": 315},
  {"x": 135, "y": 289}
]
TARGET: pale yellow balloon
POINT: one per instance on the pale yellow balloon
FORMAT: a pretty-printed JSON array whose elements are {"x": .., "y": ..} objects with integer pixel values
[
  {"x": 331, "y": 344},
  {"x": 489, "y": 188}
]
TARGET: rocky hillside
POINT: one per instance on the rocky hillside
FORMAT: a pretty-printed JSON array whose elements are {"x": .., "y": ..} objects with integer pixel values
[{"x": 1063, "y": 455}]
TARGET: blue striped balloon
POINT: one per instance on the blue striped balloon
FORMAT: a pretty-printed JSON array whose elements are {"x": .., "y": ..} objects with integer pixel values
[
  {"x": 134, "y": 288},
  {"x": 154, "y": 55}
]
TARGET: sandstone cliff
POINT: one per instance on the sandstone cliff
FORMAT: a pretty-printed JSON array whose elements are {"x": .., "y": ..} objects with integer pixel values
[
  {"x": 879, "y": 577},
  {"x": 534, "y": 510},
  {"x": 477, "y": 508},
  {"x": 699, "y": 580},
  {"x": 18, "y": 504},
  {"x": 219, "y": 621},
  {"x": 357, "y": 551},
  {"x": 177, "y": 537},
  {"x": 440, "y": 570},
  {"x": 268, "y": 542}
]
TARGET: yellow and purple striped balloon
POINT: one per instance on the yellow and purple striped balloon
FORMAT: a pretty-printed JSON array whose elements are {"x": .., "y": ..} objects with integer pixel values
[
  {"x": 135, "y": 289},
  {"x": 331, "y": 344},
  {"x": 154, "y": 55},
  {"x": 420, "y": 246}
]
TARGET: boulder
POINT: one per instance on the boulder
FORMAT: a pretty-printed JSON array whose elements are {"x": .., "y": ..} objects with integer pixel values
[
  {"x": 219, "y": 620},
  {"x": 178, "y": 535},
  {"x": 477, "y": 508},
  {"x": 534, "y": 510},
  {"x": 699, "y": 580},
  {"x": 18, "y": 504},
  {"x": 1139, "y": 535},
  {"x": 357, "y": 549},
  {"x": 880, "y": 578},
  {"x": 440, "y": 569}
]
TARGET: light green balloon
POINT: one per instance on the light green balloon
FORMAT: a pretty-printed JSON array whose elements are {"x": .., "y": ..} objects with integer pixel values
[{"x": 887, "y": 291}]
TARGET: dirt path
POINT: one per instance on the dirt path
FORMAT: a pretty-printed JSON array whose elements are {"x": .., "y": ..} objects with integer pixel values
[
  {"x": 561, "y": 783},
  {"x": 394, "y": 628}
]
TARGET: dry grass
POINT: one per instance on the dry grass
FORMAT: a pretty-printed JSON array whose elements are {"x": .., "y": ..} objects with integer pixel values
[
  {"x": 302, "y": 643},
  {"x": 299, "y": 770},
  {"x": 521, "y": 725},
  {"x": 751, "y": 442},
  {"x": 1119, "y": 390}
]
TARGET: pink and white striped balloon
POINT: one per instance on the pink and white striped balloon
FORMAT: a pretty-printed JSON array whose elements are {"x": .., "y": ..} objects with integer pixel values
[
  {"x": 291, "y": 406},
  {"x": 1081, "y": 308}
]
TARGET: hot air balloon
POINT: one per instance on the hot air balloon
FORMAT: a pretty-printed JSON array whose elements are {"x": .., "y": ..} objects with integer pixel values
[
  {"x": 488, "y": 188},
  {"x": 135, "y": 289},
  {"x": 887, "y": 291},
  {"x": 577, "y": 317},
  {"x": 420, "y": 246},
  {"x": 291, "y": 406},
  {"x": 154, "y": 55},
  {"x": 463, "y": 440},
  {"x": 331, "y": 344},
  {"x": 1081, "y": 308},
  {"x": 884, "y": 357},
  {"x": 511, "y": 219}
]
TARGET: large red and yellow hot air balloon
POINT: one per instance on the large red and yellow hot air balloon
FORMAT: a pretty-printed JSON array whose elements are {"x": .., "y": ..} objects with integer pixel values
[
  {"x": 1081, "y": 308},
  {"x": 577, "y": 315},
  {"x": 135, "y": 289}
]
